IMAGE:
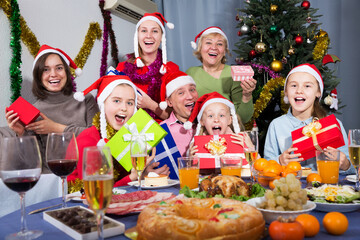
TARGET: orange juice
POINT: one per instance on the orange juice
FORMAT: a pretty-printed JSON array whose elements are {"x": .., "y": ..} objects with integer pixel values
[
  {"x": 189, "y": 177},
  {"x": 231, "y": 170},
  {"x": 328, "y": 170}
]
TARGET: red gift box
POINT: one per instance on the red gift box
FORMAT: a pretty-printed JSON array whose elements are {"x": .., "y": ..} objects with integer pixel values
[
  {"x": 317, "y": 135},
  {"x": 26, "y": 111},
  {"x": 223, "y": 146}
]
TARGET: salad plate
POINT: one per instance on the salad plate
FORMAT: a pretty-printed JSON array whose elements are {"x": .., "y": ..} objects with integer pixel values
[
  {"x": 337, "y": 207},
  {"x": 351, "y": 178}
]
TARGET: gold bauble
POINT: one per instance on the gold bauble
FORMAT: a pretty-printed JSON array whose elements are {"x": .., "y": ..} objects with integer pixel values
[
  {"x": 328, "y": 100},
  {"x": 276, "y": 65},
  {"x": 273, "y": 8},
  {"x": 321, "y": 34},
  {"x": 291, "y": 51},
  {"x": 260, "y": 47}
]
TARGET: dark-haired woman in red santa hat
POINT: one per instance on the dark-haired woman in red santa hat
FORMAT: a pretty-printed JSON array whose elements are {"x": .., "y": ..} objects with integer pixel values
[
  {"x": 147, "y": 65},
  {"x": 59, "y": 111}
]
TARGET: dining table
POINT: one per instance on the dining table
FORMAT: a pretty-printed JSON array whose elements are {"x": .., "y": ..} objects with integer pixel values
[{"x": 10, "y": 223}]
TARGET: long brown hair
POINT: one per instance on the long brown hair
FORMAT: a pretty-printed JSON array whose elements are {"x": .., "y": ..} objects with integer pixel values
[
  {"x": 318, "y": 110},
  {"x": 38, "y": 88}
]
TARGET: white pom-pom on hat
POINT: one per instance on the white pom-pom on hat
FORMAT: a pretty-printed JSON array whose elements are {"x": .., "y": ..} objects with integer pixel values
[
  {"x": 163, "y": 105},
  {"x": 193, "y": 45},
  {"x": 79, "y": 96},
  {"x": 78, "y": 71},
  {"x": 188, "y": 125}
]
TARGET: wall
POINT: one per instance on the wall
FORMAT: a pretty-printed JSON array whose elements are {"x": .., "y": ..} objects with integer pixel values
[{"x": 62, "y": 24}]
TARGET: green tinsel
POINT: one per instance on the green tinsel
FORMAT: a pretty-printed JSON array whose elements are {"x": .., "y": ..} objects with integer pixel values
[{"x": 15, "y": 72}]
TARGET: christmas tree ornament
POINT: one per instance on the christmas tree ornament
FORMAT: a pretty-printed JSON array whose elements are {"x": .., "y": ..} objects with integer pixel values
[
  {"x": 330, "y": 58},
  {"x": 308, "y": 41},
  {"x": 321, "y": 46},
  {"x": 328, "y": 100},
  {"x": 239, "y": 33},
  {"x": 273, "y": 8},
  {"x": 291, "y": 51},
  {"x": 305, "y": 5},
  {"x": 244, "y": 29},
  {"x": 254, "y": 28},
  {"x": 273, "y": 28},
  {"x": 252, "y": 54},
  {"x": 260, "y": 47},
  {"x": 284, "y": 60},
  {"x": 308, "y": 19},
  {"x": 299, "y": 40},
  {"x": 237, "y": 18},
  {"x": 276, "y": 65}
]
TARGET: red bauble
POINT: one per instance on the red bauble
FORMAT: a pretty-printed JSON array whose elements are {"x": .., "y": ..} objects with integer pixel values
[
  {"x": 299, "y": 40},
  {"x": 252, "y": 53},
  {"x": 305, "y": 5},
  {"x": 239, "y": 33}
]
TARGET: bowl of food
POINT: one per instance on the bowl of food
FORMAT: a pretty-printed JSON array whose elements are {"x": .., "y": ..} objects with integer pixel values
[
  {"x": 264, "y": 178},
  {"x": 272, "y": 215}
]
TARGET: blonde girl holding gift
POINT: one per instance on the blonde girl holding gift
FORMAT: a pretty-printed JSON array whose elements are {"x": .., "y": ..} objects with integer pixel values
[
  {"x": 117, "y": 100},
  {"x": 303, "y": 90}
]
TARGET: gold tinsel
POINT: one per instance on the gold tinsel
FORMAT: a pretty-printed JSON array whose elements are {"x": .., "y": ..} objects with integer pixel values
[
  {"x": 322, "y": 45},
  {"x": 27, "y": 36},
  {"x": 94, "y": 32}
]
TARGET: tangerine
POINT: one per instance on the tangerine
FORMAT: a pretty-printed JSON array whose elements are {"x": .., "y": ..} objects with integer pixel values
[
  {"x": 313, "y": 177},
  {"x": 273, "y": 168},
  {"x": 310, "y": 224},
  {"x": 272, "y": 162},
  {"x": 335, "y": 223},
  {"x": 271, "y": 184},
  {"x": 294, "y": 166},
  {"x": 260, "y": 164}
]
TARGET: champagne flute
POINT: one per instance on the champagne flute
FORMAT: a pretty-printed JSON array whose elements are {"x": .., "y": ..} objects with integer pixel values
[
  {"x": 138, "y": 153},
  {"x": 354, "y": 152},
  {"x": 251, "y": 148},
  {"x": 20, "y": 170},
  {"x": 98, "y": 181},
  {"x": 62, "y": 156}
]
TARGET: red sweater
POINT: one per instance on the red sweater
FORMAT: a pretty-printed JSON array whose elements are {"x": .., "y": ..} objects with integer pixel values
[{"x": 89, "y": 138}]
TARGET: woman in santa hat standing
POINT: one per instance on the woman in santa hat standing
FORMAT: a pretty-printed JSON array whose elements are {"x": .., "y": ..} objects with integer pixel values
[
  {"x": 147, "y": 65},
  {"x": 215, "y": 75},
  {"x": 54, "y": 89}
]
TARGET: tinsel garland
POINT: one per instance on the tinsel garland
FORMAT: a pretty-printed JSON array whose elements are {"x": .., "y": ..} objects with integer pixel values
[
  {"x": 261, "y": 69},
  {"x": 27, "y": 36},
  {"x": 93, "y": 33},
  {"x": 15, "y": 71},
  {"x": 266, "y": 94},
  {"x": 321, "y": 46},
  {"x": 105, "y": 50}
]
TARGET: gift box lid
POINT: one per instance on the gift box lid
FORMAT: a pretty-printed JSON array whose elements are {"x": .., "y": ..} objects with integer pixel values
[{"x": 26, "y": 111}]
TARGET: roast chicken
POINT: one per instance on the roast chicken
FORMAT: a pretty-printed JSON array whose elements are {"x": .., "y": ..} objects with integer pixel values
[{"x": 225, "y": 185}]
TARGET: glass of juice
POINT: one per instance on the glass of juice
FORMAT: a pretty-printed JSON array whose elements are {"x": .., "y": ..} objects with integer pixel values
[
  {"x": 328, "y": 162},
  {"x": 189, "y": 171},
  {"x": 231, "y": 165}
]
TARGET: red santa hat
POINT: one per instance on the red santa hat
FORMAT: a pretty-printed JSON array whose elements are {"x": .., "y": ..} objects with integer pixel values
[
  {"x": 105, "y": 86},
  {"x": 307, "y": 68},
  {"x": 159, "y": 19},
  {"x": 203, "y": 102},
  {"x": 171, "y": 82},
  {"x": 47, "y": 49},
  {"x": 206, "y": 31}
]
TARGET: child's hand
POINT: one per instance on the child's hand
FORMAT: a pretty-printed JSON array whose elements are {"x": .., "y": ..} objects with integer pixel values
[
  {"x": 149, "y": 159},
  {"x": 344, "y": 162},
  {"x": 133, "y": 175},
  {"x": 287, "y": 156},
  {"x": 162, "y": 170},
  {"x": 238, "y": 139},
  {"x": 193, "y": 149},
  {"x": 13, "y": 122}
]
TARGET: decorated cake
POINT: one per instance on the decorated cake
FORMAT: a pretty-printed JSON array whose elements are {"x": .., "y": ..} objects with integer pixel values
[
  {"x": 192, "y": 218},
  {"x": 305, "y": 171},
  {"x": 156, "y": 180}
]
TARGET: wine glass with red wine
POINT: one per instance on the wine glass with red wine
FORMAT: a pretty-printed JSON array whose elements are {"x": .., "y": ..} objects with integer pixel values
[
  {"x": 62, "y": 156},
  {"x": 20, "y": 170}
]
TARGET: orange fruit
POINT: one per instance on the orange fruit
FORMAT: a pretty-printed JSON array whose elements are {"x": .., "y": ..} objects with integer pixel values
[
  {"x": 273, "y": 162},
  {"x": 271, "y": 184},
  {"x": 273, "y": 168},
  {"x": 313, "y": 177},
  {"x": 294, "y": 166},
  {"x": 335, "y": 223},
  {"x": 310, "y": 224},
  {"x": 260, "y": 164},
  {"x": 287, "y": 172}
]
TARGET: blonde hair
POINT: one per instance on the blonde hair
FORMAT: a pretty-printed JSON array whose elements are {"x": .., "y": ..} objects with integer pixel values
[
  {"x": 197, "y": 52},
  {"x": 203, "y": 130}
]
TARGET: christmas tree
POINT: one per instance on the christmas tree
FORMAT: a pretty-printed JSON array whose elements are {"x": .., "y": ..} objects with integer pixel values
[{"x": 275, "y": 36}]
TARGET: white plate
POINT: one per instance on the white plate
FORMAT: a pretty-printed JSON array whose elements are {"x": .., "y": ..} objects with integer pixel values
[
  {"x": 337, "y": 207},
  {"x": 171, "y": 182},
  {"x": 272, "y": 215},
  {"x": 76, "y": 196},
  {"x": 351, "y": 178}
]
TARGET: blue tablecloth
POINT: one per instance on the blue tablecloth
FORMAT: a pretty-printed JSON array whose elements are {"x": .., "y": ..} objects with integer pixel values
[{"x": 11, "y": 223}]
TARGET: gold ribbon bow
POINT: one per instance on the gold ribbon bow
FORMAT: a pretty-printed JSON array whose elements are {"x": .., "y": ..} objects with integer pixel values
[
  {"x": 312, "y": 128},
  {"x": 216, "y": 147}
]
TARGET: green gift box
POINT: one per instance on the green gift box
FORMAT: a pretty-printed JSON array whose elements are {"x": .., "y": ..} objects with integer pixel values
[{"x": 139, "y": 123}]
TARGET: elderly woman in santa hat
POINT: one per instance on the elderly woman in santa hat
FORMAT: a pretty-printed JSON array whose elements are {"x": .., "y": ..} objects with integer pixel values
[
  {"x": 214, "y": 75},
  {"x": 54, "y": 89},
  {"x": 147, "y": 65}
]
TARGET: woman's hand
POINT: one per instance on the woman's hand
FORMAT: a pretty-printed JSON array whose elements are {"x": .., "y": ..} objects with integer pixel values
[
  {"x": 287, "y": 156},
  {"x": 13, "y": 122},
  {"x": 248, "y": 87},
  {"x": 145, "y": 102},
  {"x": 45, "y": 126},
  {"x": 344, "y": 162}
]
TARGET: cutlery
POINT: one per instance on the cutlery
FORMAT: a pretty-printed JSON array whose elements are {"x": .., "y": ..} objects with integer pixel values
[{"x": 46, "y": 208}]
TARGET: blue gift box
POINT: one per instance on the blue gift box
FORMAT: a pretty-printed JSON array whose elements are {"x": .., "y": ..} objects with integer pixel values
[{"x": 168, "y": 153}]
